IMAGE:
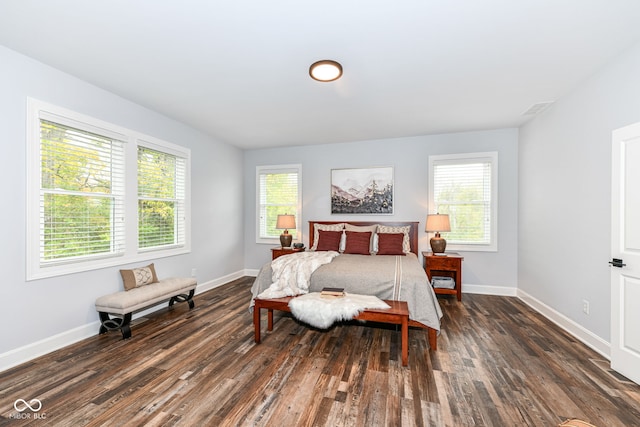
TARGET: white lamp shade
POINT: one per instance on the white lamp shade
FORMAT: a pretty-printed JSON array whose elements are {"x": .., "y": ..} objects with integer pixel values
[
  {"x": 437, "y": 223},
  {"x": 286, "y": 222}
]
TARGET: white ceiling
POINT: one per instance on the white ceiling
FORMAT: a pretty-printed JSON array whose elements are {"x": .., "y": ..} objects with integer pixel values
[{"x": 238, "y": 70}]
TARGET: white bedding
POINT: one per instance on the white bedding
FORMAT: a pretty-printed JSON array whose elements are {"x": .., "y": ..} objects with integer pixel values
[{"x": 291, "y": 274}]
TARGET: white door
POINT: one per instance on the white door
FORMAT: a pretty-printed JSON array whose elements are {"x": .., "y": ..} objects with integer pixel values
[{"x": 625, "y": 252}]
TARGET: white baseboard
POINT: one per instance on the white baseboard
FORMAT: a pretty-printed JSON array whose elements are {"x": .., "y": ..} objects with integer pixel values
[
  {"x": 587, "y": 337},
  {"x": 489, "y": 290},
  {"x": 251, "y": 272},
  {"x": 29, "y": 352},
  {"x": 211, "y": 284}
]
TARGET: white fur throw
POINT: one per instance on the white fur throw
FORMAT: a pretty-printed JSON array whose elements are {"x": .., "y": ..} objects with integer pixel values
[
  {"x": 292, "y": 273},
  {"x": 322, "y": 311}
]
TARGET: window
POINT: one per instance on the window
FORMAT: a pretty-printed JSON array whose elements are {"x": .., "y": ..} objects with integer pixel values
[
  {"x": 278, "y": 192},
  {"x": 81, "y": 194},
  {"x": 464, "y": 186},
  {"x": 82, "y": 181},
  {"x": 161, "y": 199}
]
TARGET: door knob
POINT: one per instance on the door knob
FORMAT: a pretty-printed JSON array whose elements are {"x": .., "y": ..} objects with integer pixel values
[{"x": 617, "y": 262}]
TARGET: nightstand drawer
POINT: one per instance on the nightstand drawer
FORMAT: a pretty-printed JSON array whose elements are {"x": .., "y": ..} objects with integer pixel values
[
  {"x": 279, "y": 251},
  {"x": 445, "y": 262}
]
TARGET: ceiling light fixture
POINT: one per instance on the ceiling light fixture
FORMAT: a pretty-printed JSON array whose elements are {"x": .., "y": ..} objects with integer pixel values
[{"x": 325, "y": 70}]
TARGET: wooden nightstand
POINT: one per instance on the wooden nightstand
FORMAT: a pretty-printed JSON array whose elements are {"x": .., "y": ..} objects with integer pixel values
[
  {"x": 279, "y": 251},
  {"x": 449, "y": 265}
]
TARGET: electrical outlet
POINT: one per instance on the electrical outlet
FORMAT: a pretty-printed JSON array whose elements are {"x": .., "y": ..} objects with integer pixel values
[
  {"x": 585, "y": 306},
  {"x": 194, "y": 272}
]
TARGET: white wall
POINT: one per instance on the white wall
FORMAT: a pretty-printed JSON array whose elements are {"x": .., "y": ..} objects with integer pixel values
[
  {"x": 409, "y": 157},
  {"x": 565, "y": 193},
  {"x": 39, "y": 314}
]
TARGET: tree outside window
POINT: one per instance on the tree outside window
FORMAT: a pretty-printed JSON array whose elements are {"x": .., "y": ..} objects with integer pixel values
[
  {"x": 464, "y": 186},
  {"x": 279, "y": 189},
  {"x": 100, "y": 195},
  {"x": 160, "y": 198},
  {"x": 81, "y": 191}
]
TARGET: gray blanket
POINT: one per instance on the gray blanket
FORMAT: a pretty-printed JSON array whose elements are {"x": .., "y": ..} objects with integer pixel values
[{"x": 385, "y": 276}]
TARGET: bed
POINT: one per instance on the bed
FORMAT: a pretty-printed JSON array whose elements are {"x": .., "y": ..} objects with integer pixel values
[{"x": 389, "y": 277}]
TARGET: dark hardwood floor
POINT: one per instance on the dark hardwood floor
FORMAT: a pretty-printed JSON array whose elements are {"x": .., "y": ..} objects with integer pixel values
[{"x": 498, "y": 364}]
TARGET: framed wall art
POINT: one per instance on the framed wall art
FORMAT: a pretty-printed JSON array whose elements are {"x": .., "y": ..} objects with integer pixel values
[{"x": 362, "y": 191}]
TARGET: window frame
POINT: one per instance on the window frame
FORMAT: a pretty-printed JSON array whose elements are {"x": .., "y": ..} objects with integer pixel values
[
  {"x": 180, "y": 226},
  {"x": 467, "y": 158},
  {"x": 275, "y": 169},
  {"x": 101, "y": 157},
  {"x": 35, "y": 269}
]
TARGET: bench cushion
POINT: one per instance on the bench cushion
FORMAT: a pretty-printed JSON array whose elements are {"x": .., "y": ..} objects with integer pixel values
[{"x": 124, "y": 302}]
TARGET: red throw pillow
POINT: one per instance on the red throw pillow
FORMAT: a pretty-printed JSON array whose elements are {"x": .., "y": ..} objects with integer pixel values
[
  {"x": 357, "y": 243},
  {"x": 390, "y": 244},
  {"x": 328, "y": 240}
]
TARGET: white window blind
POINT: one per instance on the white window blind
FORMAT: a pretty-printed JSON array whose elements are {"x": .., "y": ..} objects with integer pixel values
[
  {"x": 279, "y": 189},
  {"x": 161, "y": 199},
  {"x": 465, "y": 188},
  {"x": 81, "y": 194}
]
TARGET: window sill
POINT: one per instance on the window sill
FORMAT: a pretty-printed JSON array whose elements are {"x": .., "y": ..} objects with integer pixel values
[{"x": 78, "y": 267}]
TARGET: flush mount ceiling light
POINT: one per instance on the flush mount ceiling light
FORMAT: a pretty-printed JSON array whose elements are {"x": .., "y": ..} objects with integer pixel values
[{"x": 325, "y": 71}]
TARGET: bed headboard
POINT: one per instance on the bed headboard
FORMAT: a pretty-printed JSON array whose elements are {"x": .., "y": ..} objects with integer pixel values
[{"x": 413, "y": 229}]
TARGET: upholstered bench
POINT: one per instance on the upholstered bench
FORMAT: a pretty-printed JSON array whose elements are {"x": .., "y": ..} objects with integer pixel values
[{"x": 124, "y": 303}]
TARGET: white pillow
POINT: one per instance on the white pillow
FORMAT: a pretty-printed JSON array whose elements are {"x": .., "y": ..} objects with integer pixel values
[
  {"x": 326, "y": 227},
  {"x": 406, "y": 244}
]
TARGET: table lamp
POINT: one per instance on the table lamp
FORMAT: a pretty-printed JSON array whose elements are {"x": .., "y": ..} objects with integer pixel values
[
  {"x": 435, "y": 224},
  {"x": 285, "y": 222}
]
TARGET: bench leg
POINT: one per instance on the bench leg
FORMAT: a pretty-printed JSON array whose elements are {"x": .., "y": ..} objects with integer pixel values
[
  {"x": 126, "y": 327},
  {"x": 104, "y": 318},
  {"x": 256, "y": 323},
  {"x": 184, "y": 298},
  {"x": 270, "y": 319},
  {"x": 433, "y": 339},
  {"x": 111, "y": 324},
  {"x": 405, "y": 340}
]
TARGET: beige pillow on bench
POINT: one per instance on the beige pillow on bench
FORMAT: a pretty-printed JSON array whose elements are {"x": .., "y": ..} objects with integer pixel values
[{"x": 139, "y": 277}]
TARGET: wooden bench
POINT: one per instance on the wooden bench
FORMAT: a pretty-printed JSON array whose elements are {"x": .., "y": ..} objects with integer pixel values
[
  {"x": 398, "y": 314},
  {"x": 124, "y": 303}
]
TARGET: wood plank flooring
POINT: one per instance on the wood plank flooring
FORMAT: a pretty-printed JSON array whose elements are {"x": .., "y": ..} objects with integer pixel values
[{"x": 498, "y": 364}]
